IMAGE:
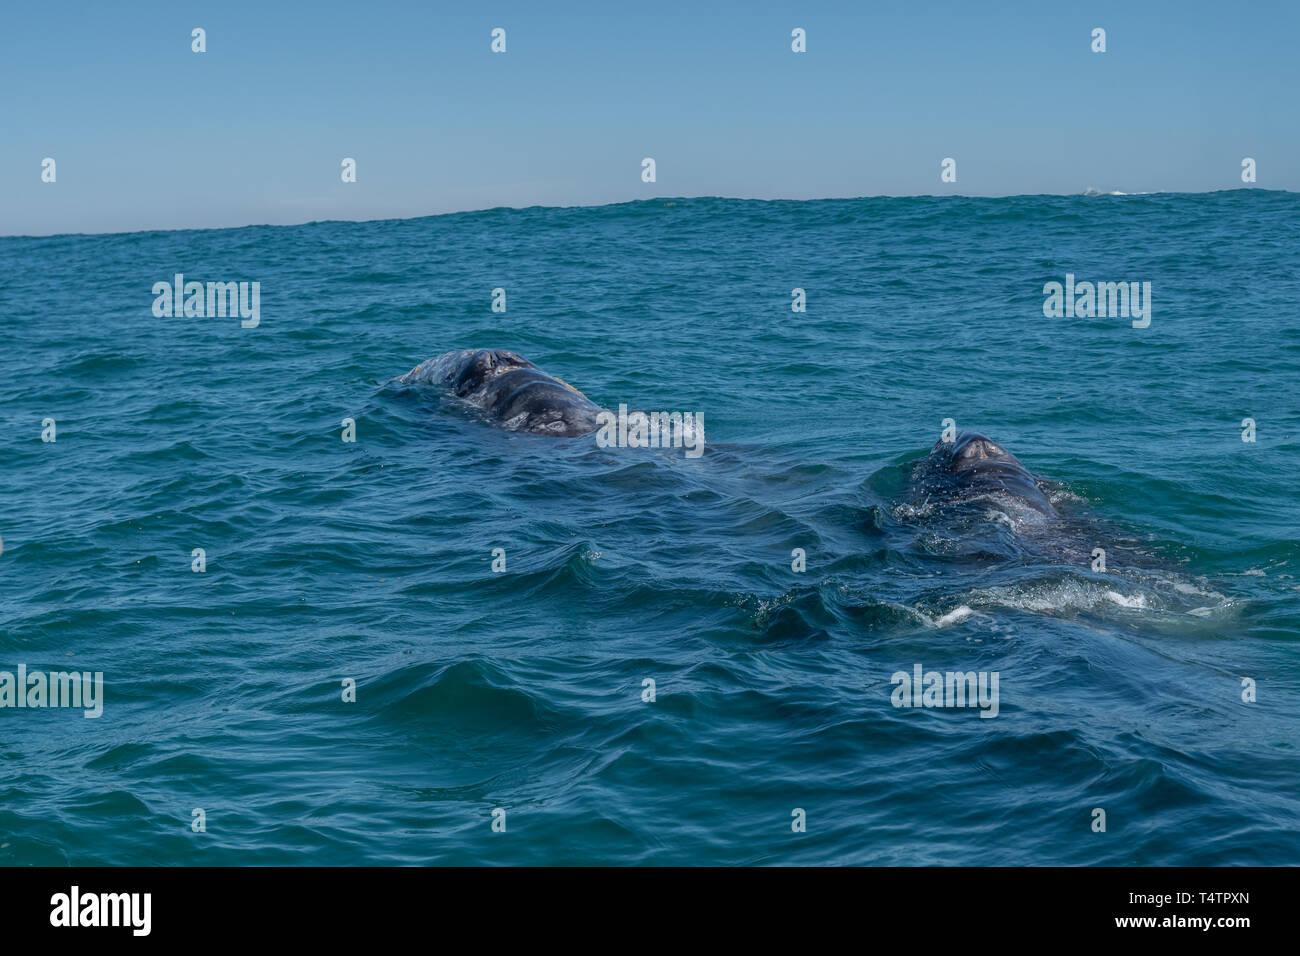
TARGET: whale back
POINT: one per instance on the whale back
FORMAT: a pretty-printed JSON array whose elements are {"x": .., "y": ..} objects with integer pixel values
[{"x": 514, "y": 391}]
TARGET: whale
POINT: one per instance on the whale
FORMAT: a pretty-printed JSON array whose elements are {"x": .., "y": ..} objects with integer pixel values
[
  {"x": 511, "y": 390},
  {"x": 973, "y": 466}
]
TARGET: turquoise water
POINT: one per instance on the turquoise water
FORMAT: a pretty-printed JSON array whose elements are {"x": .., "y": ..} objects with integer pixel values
[{"x": 522, "y": 690}]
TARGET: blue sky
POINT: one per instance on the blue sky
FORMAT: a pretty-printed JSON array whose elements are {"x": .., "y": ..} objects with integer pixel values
[{"x": 147, "y": 134}]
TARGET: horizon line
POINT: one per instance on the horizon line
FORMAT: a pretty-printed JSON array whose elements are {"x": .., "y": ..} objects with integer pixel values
[{"x": 1088, "y": 194}]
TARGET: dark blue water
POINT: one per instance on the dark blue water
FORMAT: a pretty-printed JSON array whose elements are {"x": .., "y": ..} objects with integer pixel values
[{"x": 372, "y": 561}]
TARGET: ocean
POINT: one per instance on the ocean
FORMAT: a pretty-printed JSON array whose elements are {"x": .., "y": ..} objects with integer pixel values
[{"x": 447, "y": 643}]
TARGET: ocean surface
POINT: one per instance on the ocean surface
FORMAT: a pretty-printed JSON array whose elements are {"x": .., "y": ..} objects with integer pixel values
[{"x": 522, "y": 691}]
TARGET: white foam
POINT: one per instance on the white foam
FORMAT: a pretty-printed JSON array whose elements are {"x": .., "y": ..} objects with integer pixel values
[
  {"x": 954, "y": 616},
  {"x": 1057, "y": 597},
  {"x": 1137, "y": 600}
]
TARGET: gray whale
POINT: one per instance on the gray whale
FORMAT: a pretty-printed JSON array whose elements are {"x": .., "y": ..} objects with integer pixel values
[
  {"x": 512, "y": 390},
  {"x": 973, "y": 466}
]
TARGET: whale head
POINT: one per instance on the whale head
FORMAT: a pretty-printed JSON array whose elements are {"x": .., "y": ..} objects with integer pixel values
[
  {"x": 972, "y": 450},
  {"x": 511, "y": 389},
  {"x": 976, "y": 464},
  {"x": 467, "y": 371}
]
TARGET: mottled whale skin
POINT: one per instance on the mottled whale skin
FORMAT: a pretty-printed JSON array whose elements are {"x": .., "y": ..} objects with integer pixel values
[
  {"x": 973, "y": 465},
  {"x": 511, "y": 389}
]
